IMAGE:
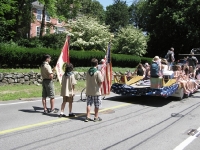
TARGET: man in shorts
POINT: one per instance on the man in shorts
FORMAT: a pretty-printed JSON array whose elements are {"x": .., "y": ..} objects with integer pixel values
[
  {"x": 94, "y": 80},
  {"x": 47, "y": 84}
]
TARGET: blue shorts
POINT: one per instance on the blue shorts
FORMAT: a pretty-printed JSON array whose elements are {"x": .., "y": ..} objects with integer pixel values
[{"x": 94, "y": 99}]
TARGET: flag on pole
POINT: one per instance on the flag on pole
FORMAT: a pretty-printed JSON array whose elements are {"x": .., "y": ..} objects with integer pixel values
[
  {"x": 106, "y": 71},
  {"x": 63, "y": 59}
]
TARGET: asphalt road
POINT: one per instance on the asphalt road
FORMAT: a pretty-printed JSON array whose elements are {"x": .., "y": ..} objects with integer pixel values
[{"x": 141, "y": 123}]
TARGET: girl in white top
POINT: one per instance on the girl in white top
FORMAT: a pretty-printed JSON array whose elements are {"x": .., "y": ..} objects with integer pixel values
[{"x": 67, "y": 90}]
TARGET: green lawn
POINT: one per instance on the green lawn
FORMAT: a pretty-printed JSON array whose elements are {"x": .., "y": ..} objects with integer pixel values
[
  {"x": 15, "y": 92},
  {"x": 79, "y": 69}
]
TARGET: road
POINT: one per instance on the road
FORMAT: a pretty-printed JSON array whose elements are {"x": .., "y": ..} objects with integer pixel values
[{"x": 140, "y": 123}]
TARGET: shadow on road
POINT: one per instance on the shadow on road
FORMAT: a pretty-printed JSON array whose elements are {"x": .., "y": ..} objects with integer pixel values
[
  {"x": 142, "y": 100},
  {"x": 80, "y": 116},
  {"x": 38, "y": 110}
]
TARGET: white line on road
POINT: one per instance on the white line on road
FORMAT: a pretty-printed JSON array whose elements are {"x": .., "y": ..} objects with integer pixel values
[
  {"x": 29, "y": 101},
  {"x": 188, "y": 141}
]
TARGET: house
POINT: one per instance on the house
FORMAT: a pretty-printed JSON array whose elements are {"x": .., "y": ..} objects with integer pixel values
[{"x": 52, "y": 25}]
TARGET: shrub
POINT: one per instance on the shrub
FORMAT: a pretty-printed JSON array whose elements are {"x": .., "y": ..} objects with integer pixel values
[
  {"x": 54, "y": 41},
  {"x": 130, "y": 40},
  {"x": 13, "y": 56},
  {"x": 146, "y": 60}
]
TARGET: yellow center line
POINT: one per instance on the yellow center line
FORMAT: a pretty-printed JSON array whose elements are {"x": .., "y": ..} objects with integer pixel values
[{"x": 53, "y": 121}]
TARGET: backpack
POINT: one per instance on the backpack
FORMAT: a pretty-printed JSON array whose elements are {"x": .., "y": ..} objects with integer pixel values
[{"x": 154, "y": 69}]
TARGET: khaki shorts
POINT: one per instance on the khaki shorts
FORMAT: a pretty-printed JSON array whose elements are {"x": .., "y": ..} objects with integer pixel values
[
  {"x": 68, "y": 99},
  {"x": 48, "y": 89}
]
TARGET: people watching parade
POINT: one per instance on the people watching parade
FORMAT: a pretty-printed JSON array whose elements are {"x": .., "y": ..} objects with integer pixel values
[
  {"x": 47, "y": 84},
  {"x": 94, "y": 80},
  {"x": 67, "y": 90}
]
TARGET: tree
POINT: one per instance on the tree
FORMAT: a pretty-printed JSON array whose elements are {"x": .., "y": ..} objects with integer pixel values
[
  {"x": 130, "y": 40},
  {"x": 173, "y": 23},
  {"x": 7, "y": 19},
  {"x": 117, "y": 15},
  {"x": 88, "y": 34},
  {"x": 67, "y": 9},
  {"x": 49, "y": 6},
  {"x": 138, "y": 14},
  {"x": 93, "y": 9}
]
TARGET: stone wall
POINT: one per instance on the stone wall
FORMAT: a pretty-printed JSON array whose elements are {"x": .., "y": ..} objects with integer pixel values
[{"x": 30, "y": 78}]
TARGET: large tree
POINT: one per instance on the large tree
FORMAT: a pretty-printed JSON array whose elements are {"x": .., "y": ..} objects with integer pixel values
[
  {"x": 7, "y": 19},
  {"x": 93, "y": 8},
  {"x": 15, "y": 18},
  {"x": 138, "y": 14},
  {"x": 170, "y": 23},
  {"x": 117, "y": 15},
  {"x": 67, "y": 9}
]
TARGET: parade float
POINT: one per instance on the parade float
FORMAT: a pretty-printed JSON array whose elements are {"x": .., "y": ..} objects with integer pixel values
[{"x": 136, "y": 86}]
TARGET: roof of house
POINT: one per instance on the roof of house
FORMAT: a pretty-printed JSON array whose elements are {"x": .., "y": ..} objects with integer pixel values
[{"x": 37, "y": 4}]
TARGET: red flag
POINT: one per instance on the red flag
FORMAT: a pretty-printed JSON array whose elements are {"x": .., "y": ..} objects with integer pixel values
[{"x": 63, "y": 58}]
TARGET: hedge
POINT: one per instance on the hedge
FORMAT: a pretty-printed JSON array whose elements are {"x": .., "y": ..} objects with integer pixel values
[{"x": 12, "y": 56}]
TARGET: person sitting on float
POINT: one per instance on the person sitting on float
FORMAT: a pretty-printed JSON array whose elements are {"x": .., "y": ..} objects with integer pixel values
[{"x": 140, "y": 70}]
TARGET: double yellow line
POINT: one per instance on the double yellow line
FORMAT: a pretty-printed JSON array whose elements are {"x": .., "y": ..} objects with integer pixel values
[{"x": 52, "y": 121}]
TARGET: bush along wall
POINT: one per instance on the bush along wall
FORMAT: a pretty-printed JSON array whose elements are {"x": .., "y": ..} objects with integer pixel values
[{"x": 20, "y": 57}]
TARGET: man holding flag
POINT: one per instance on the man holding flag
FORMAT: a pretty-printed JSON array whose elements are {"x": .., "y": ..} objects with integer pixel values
[
  {"x": 94, "y": 80},
  {"x": 98, "y": 83},
  {"x": 47, "y": 84},
  {"x": 106, "y": 71}
]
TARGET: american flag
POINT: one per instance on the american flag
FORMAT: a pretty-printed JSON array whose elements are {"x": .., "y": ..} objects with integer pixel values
[{"x": 106, "y": 71}]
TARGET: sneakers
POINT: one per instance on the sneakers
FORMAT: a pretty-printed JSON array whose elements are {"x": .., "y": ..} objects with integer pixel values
[
  {"x": 62, "y": 115},
  {"x": 72, "y": 115},
  {"x": 46, "y": 111},
  {"x": 88, "y": 119},
  {"x": 53, "y": 111},
  {"x": 97, "y": 119}
]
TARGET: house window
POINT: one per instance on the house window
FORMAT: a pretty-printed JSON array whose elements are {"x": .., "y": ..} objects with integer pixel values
[
  {"x": 38, "y": 31},
  {"x": 47, "y": 17},
  {"x": 59, "y": 30},
  {"x": 39, "y": 14},
  {"x": 59, "y": 21}
]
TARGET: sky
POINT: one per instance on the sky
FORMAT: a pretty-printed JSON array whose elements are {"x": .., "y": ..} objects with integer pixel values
[
  {"x": 110, "y": 2},
  {"x": 106, "y": 3}
]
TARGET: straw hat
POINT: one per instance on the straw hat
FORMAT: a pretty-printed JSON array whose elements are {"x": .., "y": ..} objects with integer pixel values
[{"x": 156, "y": 58}]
